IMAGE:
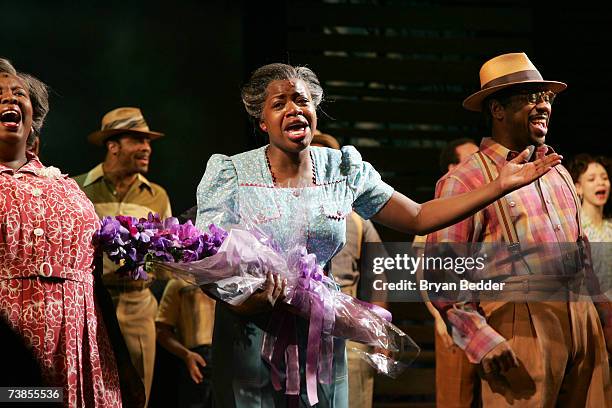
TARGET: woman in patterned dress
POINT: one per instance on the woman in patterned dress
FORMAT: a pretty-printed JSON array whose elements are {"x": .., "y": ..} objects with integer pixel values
[
  {"x": 46, "y": 254},
  {"x": 293, "y": 191},
  {"x": 590, "y": 176},
  {"x": 592, "y": 181}
]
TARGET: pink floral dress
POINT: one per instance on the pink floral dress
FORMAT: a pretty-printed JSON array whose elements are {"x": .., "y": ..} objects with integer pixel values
[{"x": 46, "y": 282}]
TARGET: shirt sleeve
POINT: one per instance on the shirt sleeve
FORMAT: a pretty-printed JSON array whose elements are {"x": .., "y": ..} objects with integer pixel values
[
  {"x": 462, "y": 231},
  {"x": 371, "y": 235},
  {"x": 370, "y": 192},
  {"x": 369, "y": 232},
  {"x": 470, "y": 329},
  {"x": 217, "y": 194},
  {"x": 170, "y": 304}
]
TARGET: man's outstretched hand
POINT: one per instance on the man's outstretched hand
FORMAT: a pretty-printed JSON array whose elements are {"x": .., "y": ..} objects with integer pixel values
[{"x": 518, "y": 173}]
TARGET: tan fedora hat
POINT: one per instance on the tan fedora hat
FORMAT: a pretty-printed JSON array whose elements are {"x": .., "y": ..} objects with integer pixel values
[
  {"x": 122, "y": 120},
  {"x": 504, "y": 71}
]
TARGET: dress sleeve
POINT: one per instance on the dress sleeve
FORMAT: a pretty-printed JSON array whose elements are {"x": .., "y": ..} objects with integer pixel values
[
  {"x": 217, "y": 194},
  {"x": 370, "y": 193}
]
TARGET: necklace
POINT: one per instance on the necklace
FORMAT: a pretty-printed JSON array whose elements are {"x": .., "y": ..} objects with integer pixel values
[{"x": 312, "y": 163}]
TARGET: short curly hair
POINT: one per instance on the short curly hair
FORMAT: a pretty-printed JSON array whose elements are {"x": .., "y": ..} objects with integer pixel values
[
  {"x": 254, "y": 92},
  {"x": 580, "y": 164},
  {"x": 39, "y": 96}
]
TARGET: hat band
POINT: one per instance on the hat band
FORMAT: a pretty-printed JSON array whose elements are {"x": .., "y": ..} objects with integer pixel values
[
  {"x": 126, "y": 124},
  {"x": 520, "y": 76}
]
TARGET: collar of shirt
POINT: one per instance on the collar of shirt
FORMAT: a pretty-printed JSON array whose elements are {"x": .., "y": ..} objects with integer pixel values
[
  {"x": 501, "y": 154},
  {"x": 97, "y": 173},
  {"x": 32, "y": 166}
]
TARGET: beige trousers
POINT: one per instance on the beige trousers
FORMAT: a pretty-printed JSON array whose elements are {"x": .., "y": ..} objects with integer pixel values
[
  {"x": 562, "y": 354},
  {"x": 136, "y": 315},
  {"x": 457, "y": 381},
  {"x": 360, "y": 377}
]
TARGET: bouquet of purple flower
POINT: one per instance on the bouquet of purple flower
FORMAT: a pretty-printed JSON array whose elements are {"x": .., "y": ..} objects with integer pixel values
[
  {"x": 239, "y": 268},
  {"x": 230, "y": 266},
  {"x": 135, "y": 244}
]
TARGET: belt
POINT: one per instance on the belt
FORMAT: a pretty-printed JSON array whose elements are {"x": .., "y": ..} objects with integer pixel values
[
  {"x": 537, "y": 288},
  {"x": 541, "y": 283},
  {"x": 46, "y": 270}
]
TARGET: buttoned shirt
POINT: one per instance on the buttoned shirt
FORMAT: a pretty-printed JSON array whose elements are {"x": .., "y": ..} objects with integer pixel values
[
  {"x": 543, "y": 211},
  {"x": 46, "y": 224},
  {"x": 142, "y": 196}
]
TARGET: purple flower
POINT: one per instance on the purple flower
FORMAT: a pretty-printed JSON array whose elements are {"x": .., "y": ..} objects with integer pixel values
[
  {"x": 129, "y": 223},
  {"x": 108, "y": 231},
  {"x": 151, "y": 219},
  {"x": 170, "y": 223},
  {"x": 139, "y": 273},
  {"x": 218, "y": 234},
  {"x": 163, "y": 256},
  {"x": 187, "y": 231},
  {"x": 161, "y": 243},
  {"x": 189, "y": 256},
  {"x": 133, "y": 243}
]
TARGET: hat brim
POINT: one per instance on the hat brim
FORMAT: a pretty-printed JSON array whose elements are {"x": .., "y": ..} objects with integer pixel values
[
  {"x": 99, "y": 137},
  {"x": 474, "y": 101}
]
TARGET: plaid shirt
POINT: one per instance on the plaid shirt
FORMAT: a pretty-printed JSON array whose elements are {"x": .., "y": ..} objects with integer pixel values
[{"x": 543, "y": 211}]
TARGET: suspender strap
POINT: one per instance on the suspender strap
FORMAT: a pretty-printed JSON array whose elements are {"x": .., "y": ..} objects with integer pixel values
[
  {"x": 501, "y": 207},
  {"x": 502, "y": 211}
]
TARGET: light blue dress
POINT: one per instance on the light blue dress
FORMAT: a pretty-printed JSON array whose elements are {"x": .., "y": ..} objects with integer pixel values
[{"x": 240, "y": 189}]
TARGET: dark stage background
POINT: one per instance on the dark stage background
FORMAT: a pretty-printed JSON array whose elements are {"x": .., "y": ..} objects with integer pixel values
[{"x": 395, "y": 73}]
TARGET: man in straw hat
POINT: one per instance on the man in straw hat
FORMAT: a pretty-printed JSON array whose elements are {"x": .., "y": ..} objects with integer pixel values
[
  {"x": 118, "y": 186},
  {"x": 536, "y": 353}
]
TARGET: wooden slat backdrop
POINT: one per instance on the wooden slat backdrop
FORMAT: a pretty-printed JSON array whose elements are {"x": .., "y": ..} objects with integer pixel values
[
  {"x": 391, "y": 70},
  {"x": 396, "y": 74},
  {"x": 364, "y": 43},
  {"x": 429, "y": 112},
  {"x": 394, "y": 77},
  {"x": 506, "y": 19}
]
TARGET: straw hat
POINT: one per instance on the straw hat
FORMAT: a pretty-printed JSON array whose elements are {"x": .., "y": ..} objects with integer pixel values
[
  {"x": 120, "y": 121},
  {"x": 504, "y": 71}
]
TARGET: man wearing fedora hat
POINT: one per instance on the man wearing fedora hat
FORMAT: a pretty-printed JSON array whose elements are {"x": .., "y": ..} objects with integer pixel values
[
  {"x": 528, "y": 354},
  {"x": 118, "y": 186}
]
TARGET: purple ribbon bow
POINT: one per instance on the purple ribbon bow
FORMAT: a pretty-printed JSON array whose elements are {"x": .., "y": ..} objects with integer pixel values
[{"x": 280, "y": 339}]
